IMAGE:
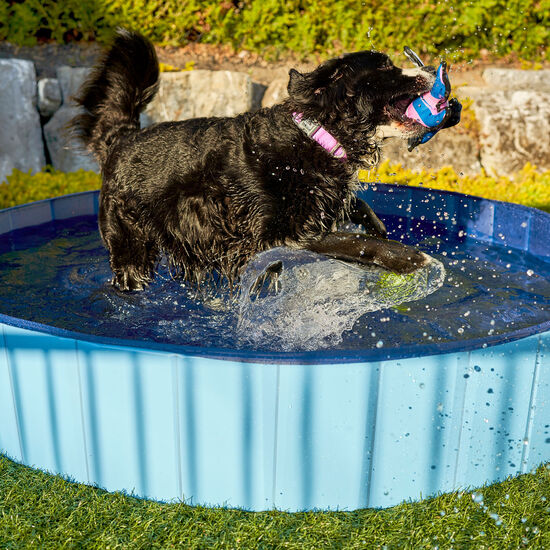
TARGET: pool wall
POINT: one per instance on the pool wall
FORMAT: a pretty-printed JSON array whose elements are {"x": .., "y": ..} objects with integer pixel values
[{"x": 263, "y": 435}]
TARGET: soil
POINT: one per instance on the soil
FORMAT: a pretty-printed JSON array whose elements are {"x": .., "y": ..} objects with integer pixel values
[{"x": 48, "y": 56}]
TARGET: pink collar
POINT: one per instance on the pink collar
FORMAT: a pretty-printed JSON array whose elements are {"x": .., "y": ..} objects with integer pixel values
[{"x": 315, "y": 131}]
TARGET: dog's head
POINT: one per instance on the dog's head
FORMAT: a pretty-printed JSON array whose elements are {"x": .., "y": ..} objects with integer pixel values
[{"x": 361, "y": 93}]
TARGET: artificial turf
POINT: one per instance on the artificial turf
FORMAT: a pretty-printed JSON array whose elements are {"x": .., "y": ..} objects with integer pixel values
[{"x": 39, "y": 510}]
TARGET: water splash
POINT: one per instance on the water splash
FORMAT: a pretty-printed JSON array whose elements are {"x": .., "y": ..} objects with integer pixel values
[{"x": 313, "y": 300}]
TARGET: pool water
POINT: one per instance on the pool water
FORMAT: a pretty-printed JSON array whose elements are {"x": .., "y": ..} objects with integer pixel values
[{"x": 58, "y": 274}]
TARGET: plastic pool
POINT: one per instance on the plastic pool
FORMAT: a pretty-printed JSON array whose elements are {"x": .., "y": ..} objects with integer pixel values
[{"x": 345, "y": 428}]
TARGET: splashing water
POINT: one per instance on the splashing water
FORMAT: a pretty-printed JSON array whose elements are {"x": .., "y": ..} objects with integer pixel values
[{"x": 317, "y": 299}]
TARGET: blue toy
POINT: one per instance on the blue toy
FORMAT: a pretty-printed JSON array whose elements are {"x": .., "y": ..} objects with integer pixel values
[{"x": 433, "y": 110}]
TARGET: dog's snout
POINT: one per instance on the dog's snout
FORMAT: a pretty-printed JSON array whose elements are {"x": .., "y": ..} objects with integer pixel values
[{"x": 430, "y": 69}]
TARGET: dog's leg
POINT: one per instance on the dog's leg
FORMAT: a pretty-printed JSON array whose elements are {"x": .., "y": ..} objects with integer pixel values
[
  {"x": 365, "y": 249},
  {"x": 362, "y": 214},
  {"x": 270, "y": 275},
  {"x": 132, "y": 256},
  {"x": 134, "y": 269}
]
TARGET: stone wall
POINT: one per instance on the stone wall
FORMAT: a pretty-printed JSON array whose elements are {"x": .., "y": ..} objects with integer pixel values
[{"x": 506, "y": 122}]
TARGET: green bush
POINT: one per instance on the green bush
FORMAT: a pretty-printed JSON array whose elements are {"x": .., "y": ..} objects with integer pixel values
[
  {"x": 527, "y": 187},
  {"x": 458, "y": 29},
  {"x": 23, "y": 187}
]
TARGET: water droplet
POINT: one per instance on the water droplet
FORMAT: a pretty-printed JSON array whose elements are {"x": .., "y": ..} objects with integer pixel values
[{"x": 477, "y": 497}]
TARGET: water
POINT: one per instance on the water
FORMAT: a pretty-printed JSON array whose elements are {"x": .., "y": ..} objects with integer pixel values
[
  {"x": 58, "y": 274},
  {"x": 315, "y": 300}
]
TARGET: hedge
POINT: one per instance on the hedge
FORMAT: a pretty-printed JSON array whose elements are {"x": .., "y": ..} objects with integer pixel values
[
  {"x": 528, "y": 186},
  {"x": 458, "y": 29}
]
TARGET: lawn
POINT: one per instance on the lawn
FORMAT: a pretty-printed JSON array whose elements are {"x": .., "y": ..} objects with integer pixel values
[{"x": 39, "y": 510}]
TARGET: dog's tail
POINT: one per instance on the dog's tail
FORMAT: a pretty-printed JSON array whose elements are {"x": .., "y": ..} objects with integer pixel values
[{"x": 119, "y": 88}]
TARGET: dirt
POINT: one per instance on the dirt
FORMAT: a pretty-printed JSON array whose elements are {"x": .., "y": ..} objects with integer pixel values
[{"x": 48, "y": 56}]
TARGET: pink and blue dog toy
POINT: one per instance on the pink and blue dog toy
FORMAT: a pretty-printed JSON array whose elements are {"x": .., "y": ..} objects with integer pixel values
[{"x": 433, "y": 110}]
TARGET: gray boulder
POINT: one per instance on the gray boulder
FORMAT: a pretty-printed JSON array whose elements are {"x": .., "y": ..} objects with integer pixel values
[
  {"x": 449, "y": 147},
  {"x": 276, "y": 92},
  {"x": 516, "y": 79},
  {"x": 200, "y": 93},
  {"x": 21, "y": 144},
  {"x": 514, "y": 130},
  {"x": 49, "y": 96},
  {"x": 70, "y": 80},
  {"x": 65, "y": 151}
]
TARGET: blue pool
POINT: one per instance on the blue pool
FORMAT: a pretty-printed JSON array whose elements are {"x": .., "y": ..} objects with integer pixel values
[{"x": 159, "y": 393}]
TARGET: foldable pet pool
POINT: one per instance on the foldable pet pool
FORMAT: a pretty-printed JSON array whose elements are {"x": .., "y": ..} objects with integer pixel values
[{"x": 446, "y": 392}]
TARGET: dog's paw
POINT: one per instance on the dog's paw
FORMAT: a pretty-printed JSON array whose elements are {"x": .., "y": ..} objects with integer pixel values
[
  {"x": 267, "y": 282},
  {"x": 126, "y": 282},
  {"x": 400, "y": 258}
]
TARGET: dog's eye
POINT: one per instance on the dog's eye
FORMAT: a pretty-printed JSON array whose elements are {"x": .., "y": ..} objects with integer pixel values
[{"x": 387, "y": 67}]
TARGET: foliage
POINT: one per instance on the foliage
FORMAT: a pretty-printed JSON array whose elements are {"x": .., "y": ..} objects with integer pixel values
[
  {"x": 458, "y": 29},
  {"x": 23, "y": 187},
  {"x": 528, "y": 186},
  {"x": 167, "y": 68}
]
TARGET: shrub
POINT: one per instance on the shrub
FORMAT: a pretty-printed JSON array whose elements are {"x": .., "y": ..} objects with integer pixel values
[
  {"x": 527, "y": 187},
  {"x": 25, "y": 187},
  {"x": 458, "y": 29}
]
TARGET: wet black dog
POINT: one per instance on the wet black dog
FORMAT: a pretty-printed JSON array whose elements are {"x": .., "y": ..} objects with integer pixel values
[{"x": 212, "y": 192}]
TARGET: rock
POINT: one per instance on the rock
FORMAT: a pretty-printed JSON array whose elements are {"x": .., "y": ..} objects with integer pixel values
[
  {"x": 200, "y": 93},
  {"x": 66, "y": 153},
  {"x": 449, "y": 147},
  {"x": 21, "y": 144},
  {"x": 514, "y": 130},
  {"x": 70, "y": 80},
  {"x": 516, "y": 79},
  {"x": 276, "y": 92},
  {"x": 49, "y": 96}
]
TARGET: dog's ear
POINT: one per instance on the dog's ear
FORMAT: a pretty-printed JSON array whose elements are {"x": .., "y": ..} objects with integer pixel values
[
  {"x": 298, "y": 88},
  {"x": 313, "y": 87}
]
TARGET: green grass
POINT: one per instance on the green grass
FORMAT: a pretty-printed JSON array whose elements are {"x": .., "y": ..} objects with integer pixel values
[{"x": 39, "y": 510}]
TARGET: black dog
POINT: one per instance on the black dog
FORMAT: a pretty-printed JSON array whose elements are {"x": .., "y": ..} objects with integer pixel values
[{"x": 212, "y": 192}]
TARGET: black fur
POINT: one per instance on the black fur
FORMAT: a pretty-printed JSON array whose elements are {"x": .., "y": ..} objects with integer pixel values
[{"x": 212, "y": 192}]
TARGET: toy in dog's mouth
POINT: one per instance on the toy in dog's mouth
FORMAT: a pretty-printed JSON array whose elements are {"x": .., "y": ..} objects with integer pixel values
[
  {"x": 420, "y": 116},
  {"x": 397, "y": 107}
]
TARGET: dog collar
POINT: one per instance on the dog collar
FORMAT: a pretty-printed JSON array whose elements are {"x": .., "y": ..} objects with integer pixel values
[{"x": 315, "y": 131}]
